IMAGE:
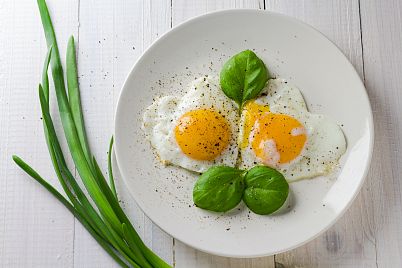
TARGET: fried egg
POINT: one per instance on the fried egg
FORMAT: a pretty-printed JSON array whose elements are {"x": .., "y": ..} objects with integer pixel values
[
  {"x": 195, "y": 131},
  {"x": 277, "y": 130}
]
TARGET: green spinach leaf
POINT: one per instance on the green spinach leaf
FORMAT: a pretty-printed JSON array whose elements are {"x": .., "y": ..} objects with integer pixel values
[
  {"x": 266, "y": 190},
  {"x": 243, "y": 76},
  {"x": 219, "y": 189}
]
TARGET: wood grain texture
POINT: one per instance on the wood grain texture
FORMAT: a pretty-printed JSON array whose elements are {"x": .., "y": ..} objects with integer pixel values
[
  {"x": 35, "y": 230},
  {"x": 183, "y": 10},
  {"x": 350, "y": 242},
  {"x": 382, "y": 39}
]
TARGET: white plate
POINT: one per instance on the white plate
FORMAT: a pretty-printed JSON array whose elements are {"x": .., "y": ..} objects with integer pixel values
[{"x": 291, "y": 50}]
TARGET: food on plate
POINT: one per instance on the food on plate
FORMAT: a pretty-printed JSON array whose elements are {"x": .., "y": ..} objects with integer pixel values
[
  {"x": 266, "y": 190},
  {"x": 219, "y": 189},
  {"x": 277, "y": 130},
  {"x": 195, "y": 131},
  {"x": 263, "y": 189},
  {"x": 243, "y": 77},
  {"x": 249, "y": 134}
]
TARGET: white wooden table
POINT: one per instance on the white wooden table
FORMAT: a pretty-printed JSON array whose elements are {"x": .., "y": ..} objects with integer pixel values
[{"x": 36, "y": 231}]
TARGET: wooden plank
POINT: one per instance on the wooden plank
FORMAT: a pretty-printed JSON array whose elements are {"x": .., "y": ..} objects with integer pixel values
[
  {"x": 112, "y": 35},
  {"x": 47, "y": 229},
  {"x": 183, "y": 10},
  {"x": 382, "y": 36},
  {"x": 350, "y": 242},
  {"x": 186, "y": 256},
  {"x": 35, "y": 230}
]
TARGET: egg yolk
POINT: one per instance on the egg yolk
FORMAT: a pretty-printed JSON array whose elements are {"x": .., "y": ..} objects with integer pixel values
[
  {"x": 251, "y": 112},
  {"x": 202, "y": 134},
  {"x": 277, "y": 138}
]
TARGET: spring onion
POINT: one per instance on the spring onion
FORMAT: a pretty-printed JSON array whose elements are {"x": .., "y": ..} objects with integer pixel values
[{"x": 105, "y": 220}]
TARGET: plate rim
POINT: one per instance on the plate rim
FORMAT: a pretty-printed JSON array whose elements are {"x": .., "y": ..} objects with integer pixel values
[{"x": 283, "y": 16}]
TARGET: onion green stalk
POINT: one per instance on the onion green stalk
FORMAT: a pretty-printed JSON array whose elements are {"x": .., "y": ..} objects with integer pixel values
[{"x": 106, "y": 220}]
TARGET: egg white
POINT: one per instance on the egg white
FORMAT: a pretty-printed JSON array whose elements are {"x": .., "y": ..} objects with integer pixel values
[
  {"x": 160, "y": 120},
  {"x": 325, "y": 140}
]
